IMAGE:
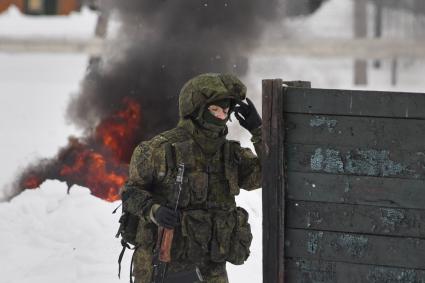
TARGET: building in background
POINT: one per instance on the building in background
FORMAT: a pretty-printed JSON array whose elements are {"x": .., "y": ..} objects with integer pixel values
[{"x": 47, "y": 7}]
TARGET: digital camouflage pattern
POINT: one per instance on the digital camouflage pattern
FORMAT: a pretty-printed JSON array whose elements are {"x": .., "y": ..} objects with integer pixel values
[
  {"x": 213, "y": 230},
  {"x": 205, "y": 88}
]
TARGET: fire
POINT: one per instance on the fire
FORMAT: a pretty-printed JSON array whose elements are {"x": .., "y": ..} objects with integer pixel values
[
  {"x": 118, "y": 131},
  {"x": 97, "y": 170},
  {"x": 99, "y": 163},
  {"x": 32, "y": 182}
]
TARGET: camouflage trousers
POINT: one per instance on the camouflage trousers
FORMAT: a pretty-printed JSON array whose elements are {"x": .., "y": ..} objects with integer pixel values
[{"x": 212, "y": 272}]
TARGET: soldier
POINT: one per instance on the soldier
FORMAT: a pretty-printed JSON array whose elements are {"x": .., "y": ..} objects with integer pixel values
[{"x": 209, "y": 229}]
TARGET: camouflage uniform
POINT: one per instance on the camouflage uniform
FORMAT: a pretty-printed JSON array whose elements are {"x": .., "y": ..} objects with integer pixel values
[{"x": 213, "y": 230}]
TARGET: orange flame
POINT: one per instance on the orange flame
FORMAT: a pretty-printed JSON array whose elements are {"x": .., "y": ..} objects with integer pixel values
[
  {"x": 117, "y": 131},
  {"x": 32, "y": 182},
  {"x": 101, "y": 164}
]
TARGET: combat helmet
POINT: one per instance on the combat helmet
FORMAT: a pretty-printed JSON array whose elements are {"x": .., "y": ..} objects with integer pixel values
[{"x": 206, "y": 88}]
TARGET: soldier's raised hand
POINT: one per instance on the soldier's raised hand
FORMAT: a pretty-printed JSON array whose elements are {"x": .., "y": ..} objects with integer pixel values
[{"x": 247, "y": 115}]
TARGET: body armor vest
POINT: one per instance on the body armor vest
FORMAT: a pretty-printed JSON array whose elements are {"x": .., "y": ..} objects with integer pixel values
[
  {"x": 208, "y": 183},
  {"x": 211, "y": 225}
]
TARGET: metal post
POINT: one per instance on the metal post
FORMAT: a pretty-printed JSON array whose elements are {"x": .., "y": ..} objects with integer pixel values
[
  {"x": 273, "y": 182},
  {"x": 360, "y": 31},
  {"x": 378, "y": 26}
]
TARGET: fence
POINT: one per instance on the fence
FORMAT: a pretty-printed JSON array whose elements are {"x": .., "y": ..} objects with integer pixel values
[{"x": 343, "y": 185}]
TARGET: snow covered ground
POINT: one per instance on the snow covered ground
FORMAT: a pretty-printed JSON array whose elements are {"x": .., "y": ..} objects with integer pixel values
[{"x": 48, "y": 236}]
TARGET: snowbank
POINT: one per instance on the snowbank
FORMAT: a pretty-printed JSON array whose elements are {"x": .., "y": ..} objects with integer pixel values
[{"x": 49, "y": 236}]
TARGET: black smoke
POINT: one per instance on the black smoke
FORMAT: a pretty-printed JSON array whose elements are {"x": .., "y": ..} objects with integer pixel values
[{"x": 162, "y": 44}]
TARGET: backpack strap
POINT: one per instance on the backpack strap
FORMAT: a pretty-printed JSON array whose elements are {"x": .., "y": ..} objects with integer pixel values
[
  {"x": 131, "y": 264},
  {"x": 124, "y": 246}
]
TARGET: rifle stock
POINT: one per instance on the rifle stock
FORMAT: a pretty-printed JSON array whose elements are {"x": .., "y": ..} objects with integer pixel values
[
  {"x": 165, "y": 249},
  {"x": 162, "y": 253}
]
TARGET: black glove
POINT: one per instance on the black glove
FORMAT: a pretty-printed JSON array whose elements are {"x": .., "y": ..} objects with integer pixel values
[
  {"x": 167, "y": 217},
  {"x": 247, "y": 115}
]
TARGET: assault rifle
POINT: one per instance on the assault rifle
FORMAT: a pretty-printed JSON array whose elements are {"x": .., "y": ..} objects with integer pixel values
[{"x": 162, "y": 252}]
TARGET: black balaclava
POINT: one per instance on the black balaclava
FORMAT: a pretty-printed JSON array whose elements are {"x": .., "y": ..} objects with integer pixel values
[
  {"x": 209, "y": 118},
  {"x": 209, "y": 131}
]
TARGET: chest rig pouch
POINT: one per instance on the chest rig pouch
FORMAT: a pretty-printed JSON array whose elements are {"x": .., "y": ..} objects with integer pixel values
[
  {"x": 195, "y": 180},
  {"x": 221, "y": 234},
  {"x": 197, "y": 175}
]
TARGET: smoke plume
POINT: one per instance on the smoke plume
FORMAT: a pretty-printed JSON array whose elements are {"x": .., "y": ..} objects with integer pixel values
[{"x": 160, "y": 45}]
